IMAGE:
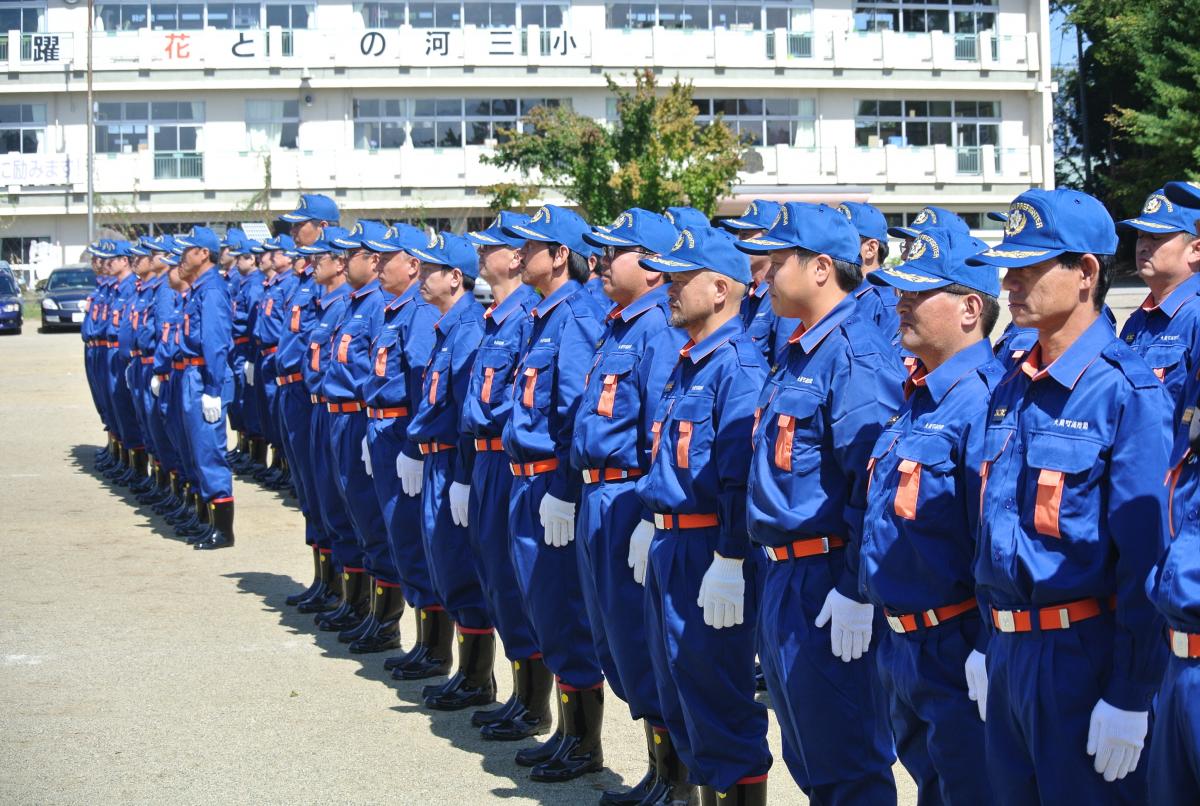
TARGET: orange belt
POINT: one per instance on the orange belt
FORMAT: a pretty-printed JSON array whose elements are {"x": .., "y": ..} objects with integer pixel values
[
  {"x": 907, "y": 622},
  {"x": 188, "y": 362},
  {"x": 345, "y": 408},
  {"x": 493, "y": 444},
  {"x": 147, "y": 359},
  {"x": 596, "y": 475},
  {"x": 533, "y": 468},
  {"x": 110, "y": 344},
  {"x": 135, "y": 353},
  {"x": 1184, "y": 645},
  {"x": 385, "y": 414},
  {"x": 242, "y": 340},
  {"x": 700, "y": 520},
  {"x": 434, "y": 447},
  {"x": 806, "y": 547},
  {"x": 270, "y": 351},
  {"x": 1057, "y": 617},
  {"x": 317, "y": 400},
  {"x": 284, "y": 380}
]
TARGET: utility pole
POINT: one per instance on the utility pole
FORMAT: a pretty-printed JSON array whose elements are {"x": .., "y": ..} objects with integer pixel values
[
  {"x": 91, "y": 130},
  {"x": 1084, "y": 134}
]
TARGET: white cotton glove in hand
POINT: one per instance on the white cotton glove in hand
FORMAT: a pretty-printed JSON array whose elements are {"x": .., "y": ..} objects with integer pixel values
[
  {"x": 976, "y": 671},
  {"x": 849, "y": 625},
  {"x": 155, "y": 386},
  {"x": 723, "y": 593},
  {"x": 460, "y": 498},
  {"x": 1116, "y": 739},
  {"x": 558, "y": 519},
  {"x": 411, "y": 472},
  {"x": 248, "y": 371},
  {"x": 366, "y": 457},
  {"x": 211, "y": 406},
  {"x": 639, "y": 550}
]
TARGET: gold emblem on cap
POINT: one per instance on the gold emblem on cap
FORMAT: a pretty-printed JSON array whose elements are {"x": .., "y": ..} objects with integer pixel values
[
  {"x": 542, "y": 214},
  {"x": 846, "y": 212},
  {"x": 925, "y": 215},
  {"x": 1156, "y": 202}
]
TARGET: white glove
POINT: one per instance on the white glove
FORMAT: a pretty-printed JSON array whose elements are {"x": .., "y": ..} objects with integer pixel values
[
  {"x": 366, "y": 457},
  {"x": 976, "y": 671},
  {"x": 460, "y": 498},
  {"x": 155, "y": 385},
  {"x": 129, "y": 375},
  {"x": 639, "y": 550},
  {"x": 723, "y": 593},
  {"x": 248, "y": 371},
  {"x": 558, "y": 519},
  {"x": 1116, "y": 739},
  {"x": 212, "y": 408},
  {"x": 411, "y": 473},
  {"x": 850, "y": 630}
]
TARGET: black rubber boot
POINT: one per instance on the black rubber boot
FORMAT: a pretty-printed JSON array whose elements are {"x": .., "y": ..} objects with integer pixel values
[
  {"x": 330, "y": 595},
  {"x": 220, "y": 513},
  {"x": 580, "y": 752},
  {"x": 649, "y": 789},
  {"x": 180, "y": 511},
  {"x": 169, "y": 501},
  {"x": 508, "y": 708},
  {"x": 143, "y": 482},
  {"x": 131, "y": 475},
  {"x": 204, "y": 521},
  {"x": 297, "y": 598},
  {"x": 243, "y": 457},
  {"x": 437, "y": 636},
  {"x": 532, "y": 717},
  {"x": 673, "y": 788},
  {"x": 389, "y": 607},
  {"x": 368, "y": 622},
  {"x": 157, "y": 489},
  {"x": 104, "y": 456},
  {"x": 258, "y": 456},
  {"x": 545, "y": 751},
  {"x": 416, "y": 651},
  {"x": 197, "y": 523},
  {"x": 760, "y": 679},
  {"x": 119, "y": 473},
  {"x": 754, "y": 794},
  {"x": 268, "y": 471},
  {"x": 118, "y": 465},
  {"x": 355, "y": 599},
  {"x": 476, "y": 657}
]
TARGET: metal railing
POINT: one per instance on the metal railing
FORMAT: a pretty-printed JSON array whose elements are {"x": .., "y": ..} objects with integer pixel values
[
  {"x": 287, "y": 43},
  {"x": 970, "y": 159},
  {"x": 799, "y": 45},
  {"x": 3, "y": 47},
  {"x": 966, "y": 47},
  {"x": 178, "y": 165},
  {"x": 546, "y": 44}
]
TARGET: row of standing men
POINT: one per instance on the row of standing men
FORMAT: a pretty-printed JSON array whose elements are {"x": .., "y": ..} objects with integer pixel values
[{"x": 765, "y": 441}]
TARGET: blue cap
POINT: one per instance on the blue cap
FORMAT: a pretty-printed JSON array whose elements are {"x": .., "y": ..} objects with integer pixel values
[
  {"x": 399, "y": 237},
  {"x": 280, "y": 243},
  {"x": 1160, "y": 214},
  {"x": 930, "y": 217},
  {"x": 495, "y": 235},
  {"x": 172, "y": 258},
  {"x": 162, "y": 243},
  {"x": 636, "y": 227},
  {"x": 363, "y": 230},
  {"x": 867, "y": 219},
  {"x": 760, "y": 214},
  {"x": 254, "y": 247},
  {"x": 817, "y": 228},
  {"x": 327, "y": 243},
  {"x": 102, "y": 247},
  {"x": 313, "y": 207},
  {"x": 453, "y": 251},
  {"x": 1043, "y": 224},
  {"x": 686, "y": 218},
  {"x": 554, "y": 224},
  {"x": 1185, "y": 193},
  {"x": 996, "y": 215},
  {"x": 201, "y": 237},
  {"x": 703, "y": 248},
  {"x": 125, "y": 249},
  {"x": 232, "y": 235},
  {"x": 936, "y": 259}
]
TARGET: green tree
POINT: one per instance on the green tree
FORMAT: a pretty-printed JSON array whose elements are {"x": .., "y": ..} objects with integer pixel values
[{"x": 654, "y": 155}]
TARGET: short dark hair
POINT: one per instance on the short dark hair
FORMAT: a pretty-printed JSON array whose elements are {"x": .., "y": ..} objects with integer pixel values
[
  {"x": 468, "y": 283},
  {"x": 991, "y": 305},
  {"x": 1071, "y": 260},
  {"x": 578, "y": 268},
  {"x": 849, "y": 275},
  {"x": 885, "y": 249}
]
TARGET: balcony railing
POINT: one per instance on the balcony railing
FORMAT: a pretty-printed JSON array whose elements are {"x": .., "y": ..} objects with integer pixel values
[
  {"x": 178, "y": 165},
  {"x": 3, "y": 47},
  {"x": 799, "y": 45},
  {"x": 966, "y": 47},
  {"x": 970, "y": 159}
]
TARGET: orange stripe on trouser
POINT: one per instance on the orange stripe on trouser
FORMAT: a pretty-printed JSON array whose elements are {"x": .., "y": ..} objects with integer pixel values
[
  {"x": 1049, "y": 499},
  {"x": 908, "y": 489}
]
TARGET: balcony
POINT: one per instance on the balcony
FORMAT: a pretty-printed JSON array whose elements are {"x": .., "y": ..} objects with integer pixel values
[
  {"x": 178, "y": 165},
  {"x": 37, "y": 50}
]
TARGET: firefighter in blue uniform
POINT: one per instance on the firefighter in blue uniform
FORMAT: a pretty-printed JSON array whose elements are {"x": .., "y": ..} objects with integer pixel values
[
  {"x": 449, "y": 267},
  {"x": 233, "y": 411},
  {"x": 1165, "y": 329},
  {"x": 87, "y": 333},
  {"x": 537, "y": 438},
  {"x": 207, "y": 336},
  {"x": 485, "y": 410},
  {"x": 1072, "y": 521},
  {"x": 141, "y": 334},
  {"x": 877, "y": 303},
  {"x": 119, "y": 335},
  {"x": 268, "y": 326},
  {"x": 245, "y": 313},
  {"x": 825, "y": 402},
  {"x": 759, "y": 319},
  {"x": 701, "y": 584},
  {"x": 611, "y": 450},
  {"x": 922, "y": 516},
  {"x": 153, "y": 326}
]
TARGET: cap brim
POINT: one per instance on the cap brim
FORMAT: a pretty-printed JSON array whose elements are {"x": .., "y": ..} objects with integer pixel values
[
  {"x": 998, "y": 216},
  {"x": 741, "y": 223},
  {"x": 1145, "y": 225},
  {"x": 602, "y": 239},
  {"x": 295, "y": 217},
  {"x": 757, "y": 246},
  {"x": 1185, "y": 193},
  {"x": 907, "y": 278},
  {"x": 347, "y": 243},
  {"x": 902, "y": 232},
  {"x": 1012, "y": 258},
  {"x": 665, "y": 263},
  {"x": 519, "y": 231},
  {"x": 426, "y": 257}
]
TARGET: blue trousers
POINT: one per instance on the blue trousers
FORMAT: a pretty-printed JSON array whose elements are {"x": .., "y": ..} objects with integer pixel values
[
  {"x": 549, "y": 580},
  {"x": 938, "y": 732},
  {"x": 156, "y": 419},
  {"x": 123, "y": 408},
  {"x": 138, "y": 393},
  {"x": 1174, "y": 763},
  {"x": 448, "y": 549},
  {"x": 1042, "y": 687},
  {"x": 89, "y": 372},
  {"x": 207, "y": 441},
  {"x": 833, "y": 716},
  {"x": 346, "y": 433},
  {"x": 491, "y": 488},
  {"x": 401, "y": 513},
  {"x": 171, "y": 396},
  {"x": 616, "y": 604},
  {"x": 338, "y": 534},
  {"x": 248, "y": 395},
  {"x": 295, "y": 426},
  {"x": 265, "y": 391},
  {"x": 237, "y": 378},
  {"x": 705, "y": 677},
  {"x": 100, "y": 373}
]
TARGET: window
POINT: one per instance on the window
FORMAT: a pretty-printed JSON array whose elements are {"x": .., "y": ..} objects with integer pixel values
[
  {"x": 437, "y": 123},
  {"x": 176, "y": 125},
  {"x": 176, "y": 16},
  {"x": 22, "y": 128},
  {"x": 917, "y": 16},
  {"x": 544, "y": 15},
  {"x": 288, "y": 15},
  {"x": 121, "y": 17},
  {"x": 272, "y": 124},
  {"x": 239, "y": 16},
  {"x": 487, "y": 118},
  {"x": 16, "y": 250},
  {"x": 122, "y": 128},
  {"x": 378, "y": 123},
  {"x": 927, "y": 123},
  {"x": 435, "y": 15},
  {"x": 490, "y": 15},
  {"x": 683, "y": 16},
  {"x": 28, "y": 19},
  {"x": 764, "y": 121},
  {"x": 742, "y": 16},
  {"x": 383, "y": 15}
]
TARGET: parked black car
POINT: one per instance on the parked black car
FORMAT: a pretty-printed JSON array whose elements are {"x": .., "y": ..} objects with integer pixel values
[
  {"x": 64, "y": 302},
  {"x": 11, "y": 317}
]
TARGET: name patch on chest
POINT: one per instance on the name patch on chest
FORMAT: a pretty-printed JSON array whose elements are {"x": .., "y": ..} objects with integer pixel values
[{"x": 1074, "y": 425}]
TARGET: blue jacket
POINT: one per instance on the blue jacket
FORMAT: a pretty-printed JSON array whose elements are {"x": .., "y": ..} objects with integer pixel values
[
  {"x": 351, "y": 362},
  {"x": 208, "y": 328},
  {"x": 1167, "y": 336},
  {"x": 766, "y": 328},
  {"x": 878, "y": 304},
  {"x": 330, "y": 309},
  {"x": 506, "y": 330},
  {"x": 245, "y": 310},
  {"x": 301, "y": 318}
]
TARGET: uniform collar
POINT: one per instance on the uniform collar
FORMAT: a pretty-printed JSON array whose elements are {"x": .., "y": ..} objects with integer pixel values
[
  {"x": 333, "y": 296},
  {"x": 810, "y": 338},
  {"x": 366, "y": 290},
  {"x": 760, "y": 290},
  {"x": 498, "y": 313},
  {"x": 206, "y": 278},
  {"x": 1176, "y": 299},
  {"x": 1070, "y": 366},
  {"x": 651, "y": 299},
  {"x": 450, "y": 318},
  {"x": 543, "y": 308},
  {"x": 862, "y": 289},
  {"x": 408, "y": 296},
  {"x": 697, "y": 352},
  {"x": 945, "y": 377}
]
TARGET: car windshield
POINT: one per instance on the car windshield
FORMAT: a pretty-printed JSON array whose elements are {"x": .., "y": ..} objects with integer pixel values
[
  {"x": 64, "y": 279},
  {"x": 7, "y": 286}
]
